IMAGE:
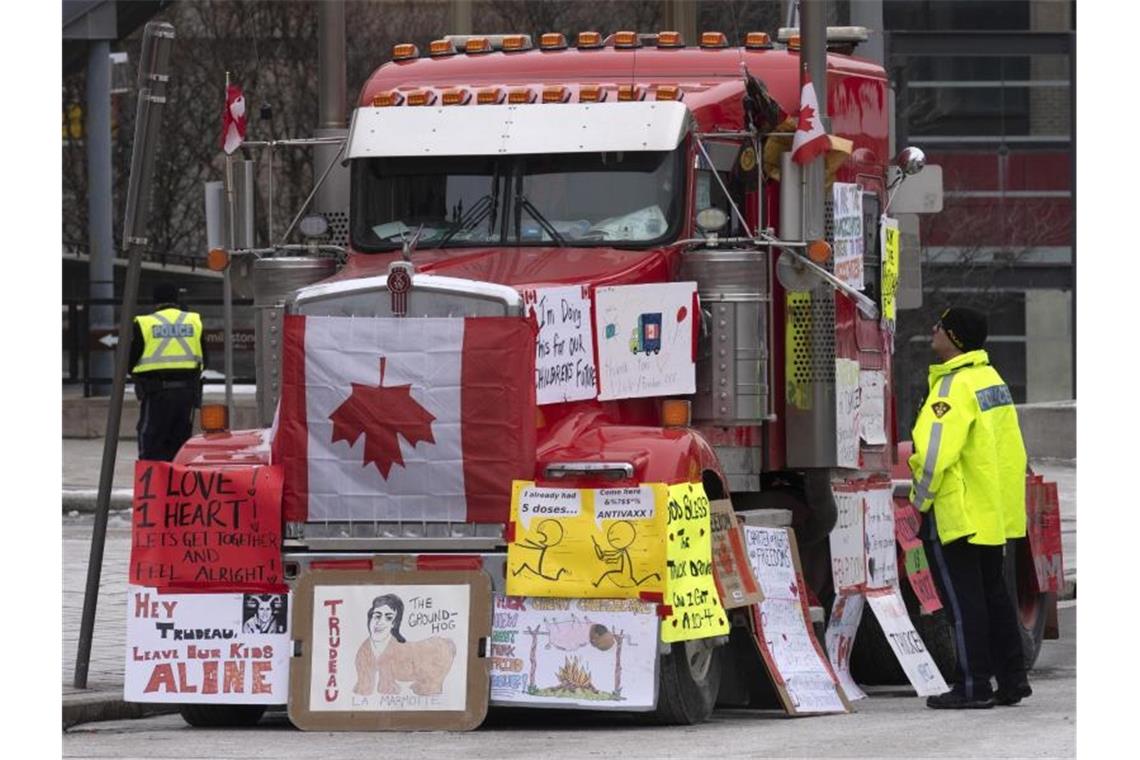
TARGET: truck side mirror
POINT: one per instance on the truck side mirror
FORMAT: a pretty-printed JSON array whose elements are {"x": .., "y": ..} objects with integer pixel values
[{"x": 911, "y": 161}]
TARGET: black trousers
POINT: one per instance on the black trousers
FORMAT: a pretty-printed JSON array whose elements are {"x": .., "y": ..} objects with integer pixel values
[
  {"x": 166, "y": 421},
  {"x": 971, "y": 580}
]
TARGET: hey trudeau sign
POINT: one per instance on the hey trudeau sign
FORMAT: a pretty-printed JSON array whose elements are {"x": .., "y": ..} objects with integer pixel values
[
  {"x": 206, "y": 648},
  {"x": 206, "y": 530}
]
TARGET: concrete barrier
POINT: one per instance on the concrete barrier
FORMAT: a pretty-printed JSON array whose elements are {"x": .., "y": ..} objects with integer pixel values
[{"x": 1049, "y": 429}]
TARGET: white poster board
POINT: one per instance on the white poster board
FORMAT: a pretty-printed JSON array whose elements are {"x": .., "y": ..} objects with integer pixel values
[
  {"x": 206, "y": 648},
  {"x": 564, "y": 368},
  {"x": 847, "y": 201},
  {"x": 907, "y": 645},
  {"x": 846, "y": 612},
  {"x": 645, "y": 339},
  {"x": 594, "y": 653},
  {"x": 882, "y": 556},
  {"x": 872, "y": 407},
  {"x": 389, "y": 648},
  {"x": 848, "y": 563},
  {"x": 847, "y": 403}
]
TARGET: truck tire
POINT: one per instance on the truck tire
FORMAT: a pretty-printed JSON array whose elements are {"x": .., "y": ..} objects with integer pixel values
[
  {"x": 221, "y": 716},
  {"x": 688, "y": 683},
  {"x": 1032, "y": 606}
]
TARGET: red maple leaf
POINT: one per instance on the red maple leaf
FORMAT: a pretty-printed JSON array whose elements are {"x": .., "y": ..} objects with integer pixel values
[
  {"x": 807, "y": 113},
  {"x": 381, "y": 413}
]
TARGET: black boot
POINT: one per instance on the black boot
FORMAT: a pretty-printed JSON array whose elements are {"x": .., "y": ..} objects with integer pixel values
[
  {"x": 1013, "y": 695},
  {"x": 956, "y": 700}
]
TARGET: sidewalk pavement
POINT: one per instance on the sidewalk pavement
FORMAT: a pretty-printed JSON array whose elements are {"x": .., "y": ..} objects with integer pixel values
[{"x": 103, "y": 699}]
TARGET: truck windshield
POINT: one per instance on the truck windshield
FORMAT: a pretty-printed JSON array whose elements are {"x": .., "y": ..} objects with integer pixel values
[{"x": 607, "y": 199}]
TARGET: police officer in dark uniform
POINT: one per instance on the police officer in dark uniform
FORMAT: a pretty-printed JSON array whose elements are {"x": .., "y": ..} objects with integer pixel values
[{"x": 167, "y": 358}]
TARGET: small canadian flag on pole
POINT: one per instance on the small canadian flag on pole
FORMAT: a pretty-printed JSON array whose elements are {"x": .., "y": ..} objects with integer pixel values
[
  {"x": 233, "y": 119},
  {"x": 809, "y": 141}
]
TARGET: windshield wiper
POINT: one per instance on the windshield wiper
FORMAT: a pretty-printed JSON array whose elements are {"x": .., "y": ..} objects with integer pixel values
[
  {"x": 529, "y": 207},
  {"x": 476, "y": 214}
]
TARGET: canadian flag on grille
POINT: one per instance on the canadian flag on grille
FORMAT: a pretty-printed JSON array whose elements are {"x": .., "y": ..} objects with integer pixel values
[
  {"x": 233, "y": 119},
  {"x": 405, "y": 419},
  {"x": 809, "y": 141}
]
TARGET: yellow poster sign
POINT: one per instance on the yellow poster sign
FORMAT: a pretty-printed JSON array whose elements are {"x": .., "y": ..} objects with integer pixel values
[
  {"x": 889, "y": 234},
  {"x": 603, "y": 543},
  {"x": 691, "y": 590}
]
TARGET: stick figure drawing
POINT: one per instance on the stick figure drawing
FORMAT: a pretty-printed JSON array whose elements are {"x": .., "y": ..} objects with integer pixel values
[
  {"x": 549, "y": 534},
  {"x": 620, "y": 537}
]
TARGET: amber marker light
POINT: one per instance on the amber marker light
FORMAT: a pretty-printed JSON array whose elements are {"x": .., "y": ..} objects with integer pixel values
[
  {"x": 387, "y": 98},
  {"x": 421, "y": 97},
  {"x": 794, "y": 42},
  {"x": 512, "y": 43},
  {"x": 667, "y": 92},
  {"x": 589, "y": 40},
  {"x": 489, "y": 96},
  {"x": 676, "y": 412},
  {"x": 755, "y": 40},
  {"x": 455, "y": 97},
  {"x": 553, "y": 41},
  {"x": 441, "y": 47},
  {"x": 404, "y": 51},
  {"x": 477, "y": 45},
  {"x": 629, "y": 92},
  {"x": 713, "y": 40},
  {"x": 591, "y": 93},
  {"x": 217, "y": 259},
  {"x": 522, "y": 95},
  {"x": 670, "y": 40},
  {"x": 819, "y": 251},
  {"x": 555, "y": 94},
  {"x": 215, "y": 418},
  {"x": 626, "y": 40}
]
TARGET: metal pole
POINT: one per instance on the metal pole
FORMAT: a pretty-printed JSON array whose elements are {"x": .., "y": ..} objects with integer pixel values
[
  {"x": 153, "y": 66},
  {"x": 227, "y": 287},
  {"x": 101, "y": 268}
]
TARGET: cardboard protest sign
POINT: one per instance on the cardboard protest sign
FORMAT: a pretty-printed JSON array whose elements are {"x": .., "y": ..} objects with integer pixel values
[
  {"x": 586, "y": 543},
  {"x": 879, "y": 527},
  {"x": 206, "y": 648},
  {"x": 847, "y": 404},
  {"x": 735, "y": 582},
  {"x": 1043, "y": 529},
  {"x": 594, "y": 653},
  {"x": 848, "y": 237},
  {"x": 797, "y": 664},
  {"x": 564, "y": 368},
  {"x": 842, "y": 625},
  {"x": 919, "y": 576},
  {"x": 889, "y": 244},
  {"x": 848, "y": 560},
  {"x": 197, "y": 530},
  {"x": 391, "y": 650},
  {"x": 646, "y": 337},
  {"x": 872, "y": 406},
  {"x": 691, "y": 602},
  {"x": 905, "y": 642}
]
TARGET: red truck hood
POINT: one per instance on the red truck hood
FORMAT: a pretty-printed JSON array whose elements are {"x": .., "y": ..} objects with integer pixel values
[{"x": 529, "y": 267}]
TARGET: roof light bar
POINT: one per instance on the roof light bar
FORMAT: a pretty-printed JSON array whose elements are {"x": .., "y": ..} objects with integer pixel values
[
  {"x": 626, "y": 40},
  {"x": 670, "y": 40},
  {"x": 404, "y": 51},
  {"x": 794, "y": 42},
  {"x": 477, "y": 45},
  {"x": 387, "y": 98},
  {"x": 757, "y": 40},
  {"x": 555, "y": 94},
  {"x": 455, "y": 97},
  {"x": 421, "y": 98},
  {"x": 441, "y": 47},
  {"x": 591, "y": 93},
  {"x": 552, "y": 41},
  {"x": 589, "y": 40},
  {"x": 628, "y": 92},
  {"x": 714, "y": 40},
  {"x": 490, "y": 96},
  {"x": 668, "y": 92},
  {"x": 512, "y": 43},
  {"x": 521, "y": 95}
]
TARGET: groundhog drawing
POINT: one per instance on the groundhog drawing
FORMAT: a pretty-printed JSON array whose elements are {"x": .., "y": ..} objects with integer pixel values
[{"x": 386, "y": 659}]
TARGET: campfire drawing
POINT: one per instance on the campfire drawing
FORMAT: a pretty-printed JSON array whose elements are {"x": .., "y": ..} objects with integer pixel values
[{"x": 573, "y": 677}]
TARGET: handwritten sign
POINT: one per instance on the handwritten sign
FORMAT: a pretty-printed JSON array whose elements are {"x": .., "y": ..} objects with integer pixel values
[
  {"x": 872, "y": 407},
  {"x": 206, "y": 648},
  {"x": 882, "y": 559},
  {"x": 889, "y": 243},
  {"x": 905, "y": 642},
  {"x": 847, "y": 404},
  {"x": 594, "y": 653},
  {"x": 389, "y": 648},
  {"x": 848, "y": 563},
  {"x": 195, "y": 529},
  {"x": 646, "y": 335},
  {"x": 690, "y": 590},
  {"x": 564, "y": 368},
  {"x": 735, "y": 582},
  {"x": 919, "y": 576},
  {"x": 842, "y": 625},
  {"x": 1043, "y": 529},
  {"x": 798, "y": 666},
  {"x": 586, "y": 543},
  {"x": 848, "y": 207}
]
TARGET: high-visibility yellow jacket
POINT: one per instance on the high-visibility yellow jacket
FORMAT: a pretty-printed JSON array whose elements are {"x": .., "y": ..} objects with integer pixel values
[
  {"x": 172, "y": 339},
  {"x": 969, "y": 458}
]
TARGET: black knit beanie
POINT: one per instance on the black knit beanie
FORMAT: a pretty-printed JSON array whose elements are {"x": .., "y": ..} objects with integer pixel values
[{"x": 965, "y": 328}]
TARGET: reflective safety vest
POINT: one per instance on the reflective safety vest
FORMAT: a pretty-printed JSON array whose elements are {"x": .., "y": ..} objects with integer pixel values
[
  {"x": 969, "y": 459},
  {"x": 172, "y": 339}
]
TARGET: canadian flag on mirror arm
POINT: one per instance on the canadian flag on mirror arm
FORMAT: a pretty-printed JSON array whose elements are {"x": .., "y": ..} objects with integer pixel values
[
  {"x": 405, "y": 419},
  {"x": 809, "y": 141},
  {"x": 233, "y": 119}
]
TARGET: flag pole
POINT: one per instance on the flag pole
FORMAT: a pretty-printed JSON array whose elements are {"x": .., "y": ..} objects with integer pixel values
[{"x": 227, "y": 290}]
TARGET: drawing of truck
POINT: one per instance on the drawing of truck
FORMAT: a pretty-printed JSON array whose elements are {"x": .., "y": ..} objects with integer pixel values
[{"x": 646, "y": 337}]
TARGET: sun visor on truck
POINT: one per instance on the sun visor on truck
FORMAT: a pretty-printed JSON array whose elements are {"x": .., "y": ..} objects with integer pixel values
[{"x": 516, "y": 129}]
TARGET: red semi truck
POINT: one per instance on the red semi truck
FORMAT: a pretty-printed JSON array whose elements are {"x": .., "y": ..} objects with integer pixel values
[{"x": 627, "y": 160}]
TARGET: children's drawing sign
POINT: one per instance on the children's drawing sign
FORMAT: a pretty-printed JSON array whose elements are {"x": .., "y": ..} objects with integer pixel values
[
  {"x": 594, "y": 653},
  {"x": 206, "y": 648},
  {"x": 693, "y": 606},
  {"x": 646, "y": 336},
  {"x": 732, "y": 571},
  {"x": 846, "y": 612},
  {"x": 848, "y": 207},
  {"x": 905, "y": 642},
  {"x": 564, "y": 368},
  {"x": 216, "y": 530},
  {"x": 586, "y": 543}
]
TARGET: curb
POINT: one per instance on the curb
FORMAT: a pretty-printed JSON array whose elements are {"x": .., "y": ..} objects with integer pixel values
[
  {"x": 85, "y": 499},
  {"x": 91, "y": 706}
]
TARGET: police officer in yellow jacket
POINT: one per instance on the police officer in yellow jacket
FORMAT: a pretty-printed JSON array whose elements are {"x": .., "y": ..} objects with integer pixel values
[
  {"x": 969, "y": 482},
  {"x": 167, "y": 358}
]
